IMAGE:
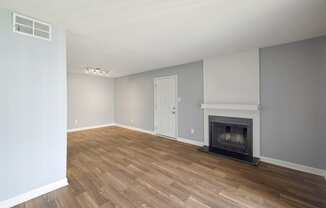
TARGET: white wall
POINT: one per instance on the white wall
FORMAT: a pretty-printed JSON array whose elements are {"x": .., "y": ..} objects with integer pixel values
[
  {"x": 90, "y": 101},
  {"x": 232, "y": 79},
  {"x": 33, "y": 116}
]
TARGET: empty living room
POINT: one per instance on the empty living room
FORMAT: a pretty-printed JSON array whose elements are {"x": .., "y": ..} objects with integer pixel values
[{"x": 163, "y": 104}]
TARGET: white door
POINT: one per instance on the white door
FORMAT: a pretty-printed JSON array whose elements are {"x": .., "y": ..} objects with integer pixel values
[{"x": 165, "y": 101}]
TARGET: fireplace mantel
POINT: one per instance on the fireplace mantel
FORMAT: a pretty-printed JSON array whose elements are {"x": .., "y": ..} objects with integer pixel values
[
  {"x": 236, "y": 111},
  {"x": 237, "y": 107}
]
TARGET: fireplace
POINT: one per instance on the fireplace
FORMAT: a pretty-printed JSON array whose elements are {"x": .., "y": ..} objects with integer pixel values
[{"x": 232, "y": 137}]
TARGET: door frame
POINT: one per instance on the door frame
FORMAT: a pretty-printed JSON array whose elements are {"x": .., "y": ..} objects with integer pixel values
[{"x": 175, "y": 77}]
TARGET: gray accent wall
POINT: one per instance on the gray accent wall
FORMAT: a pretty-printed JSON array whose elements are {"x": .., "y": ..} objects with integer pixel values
[
  {"x": 322, "y": 126},
  {"x": 134, "y": 99},
  {"x": 90, "y": 100},
  {"x": 293, "y": 84},
  {"x": 33, "y": 145}
]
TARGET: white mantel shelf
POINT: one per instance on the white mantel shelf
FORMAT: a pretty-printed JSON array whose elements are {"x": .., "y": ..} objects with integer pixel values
[{"x": 238, "y": 107}]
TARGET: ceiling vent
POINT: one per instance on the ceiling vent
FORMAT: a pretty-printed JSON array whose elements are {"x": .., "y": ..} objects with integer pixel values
[{"x": 31, "y": 27}]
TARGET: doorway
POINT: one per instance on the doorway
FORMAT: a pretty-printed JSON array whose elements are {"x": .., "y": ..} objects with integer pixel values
[{"x": 165, "y": 106}]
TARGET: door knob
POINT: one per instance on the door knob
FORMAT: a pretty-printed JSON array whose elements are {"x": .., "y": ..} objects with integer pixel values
[{"x": 173, "y": 110}]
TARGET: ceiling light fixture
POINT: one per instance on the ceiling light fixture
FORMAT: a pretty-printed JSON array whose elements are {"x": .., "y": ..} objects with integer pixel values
[{"x": 96, "y": 72}]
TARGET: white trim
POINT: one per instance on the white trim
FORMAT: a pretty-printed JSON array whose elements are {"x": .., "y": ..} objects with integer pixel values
[
  {"x": 182, "y": 140},
  {"x": 175, "y": 77},
  {"x": 166, "y": 137},
  {"x": 134, "y": 128},
  {"x": 179, "y": 139},
  {"x": 33, "y": 193},
  {"x": 294, "y": 166},
  {"x": 90, "y": 127},
  {"x": 244, "y": 107},
  {"x": 189, "y": 141}
]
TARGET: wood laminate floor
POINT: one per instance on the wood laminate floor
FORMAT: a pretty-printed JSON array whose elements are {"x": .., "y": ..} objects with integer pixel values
[{"x": 115, "y": 167}]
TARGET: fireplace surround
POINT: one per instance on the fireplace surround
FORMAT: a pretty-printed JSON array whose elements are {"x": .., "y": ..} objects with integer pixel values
[
  {"x": 230, "y": 112},
  {"x": 232, "y": 137}
]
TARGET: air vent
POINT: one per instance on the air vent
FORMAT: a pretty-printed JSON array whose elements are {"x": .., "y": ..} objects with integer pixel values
[{"x": 31, "y": 27}]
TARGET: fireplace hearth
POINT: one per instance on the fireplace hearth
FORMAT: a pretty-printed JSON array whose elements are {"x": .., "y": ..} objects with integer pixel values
[{"x": 232, "y": 137}]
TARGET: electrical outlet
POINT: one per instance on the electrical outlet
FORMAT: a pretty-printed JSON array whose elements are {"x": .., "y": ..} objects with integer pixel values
[
  {"x": 192, "y": 131},
  {"x": 132, "y": 121},
  {"x": 76, "y": 122}
]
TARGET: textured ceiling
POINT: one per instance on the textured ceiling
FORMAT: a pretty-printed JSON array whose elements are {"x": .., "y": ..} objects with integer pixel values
[{"x": 130, "y": 36}]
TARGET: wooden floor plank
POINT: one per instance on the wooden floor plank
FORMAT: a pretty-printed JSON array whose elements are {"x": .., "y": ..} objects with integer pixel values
[{"x": 120, "y": 168}]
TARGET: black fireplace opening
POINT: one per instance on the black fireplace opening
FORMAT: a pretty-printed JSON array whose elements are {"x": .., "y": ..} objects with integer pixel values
[{"x": 231, "y": 137}]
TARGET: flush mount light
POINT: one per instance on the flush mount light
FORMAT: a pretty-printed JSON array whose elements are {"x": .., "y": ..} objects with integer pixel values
[{"x": 97, "y": 71}]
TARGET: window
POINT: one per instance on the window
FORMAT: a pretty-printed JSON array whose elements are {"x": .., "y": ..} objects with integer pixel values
[{"x": 31, "y": 27}]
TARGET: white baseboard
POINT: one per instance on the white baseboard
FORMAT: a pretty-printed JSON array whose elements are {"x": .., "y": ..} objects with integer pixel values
[
  {"x": 294, "y": 166},
  {"x": 89, "y": 127},
  {"x": 133, "y": 128},
  {"x": 189, "y": 141},
  {"x": 183, "y": 140},
  {"x": 33, "y": 194}
]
